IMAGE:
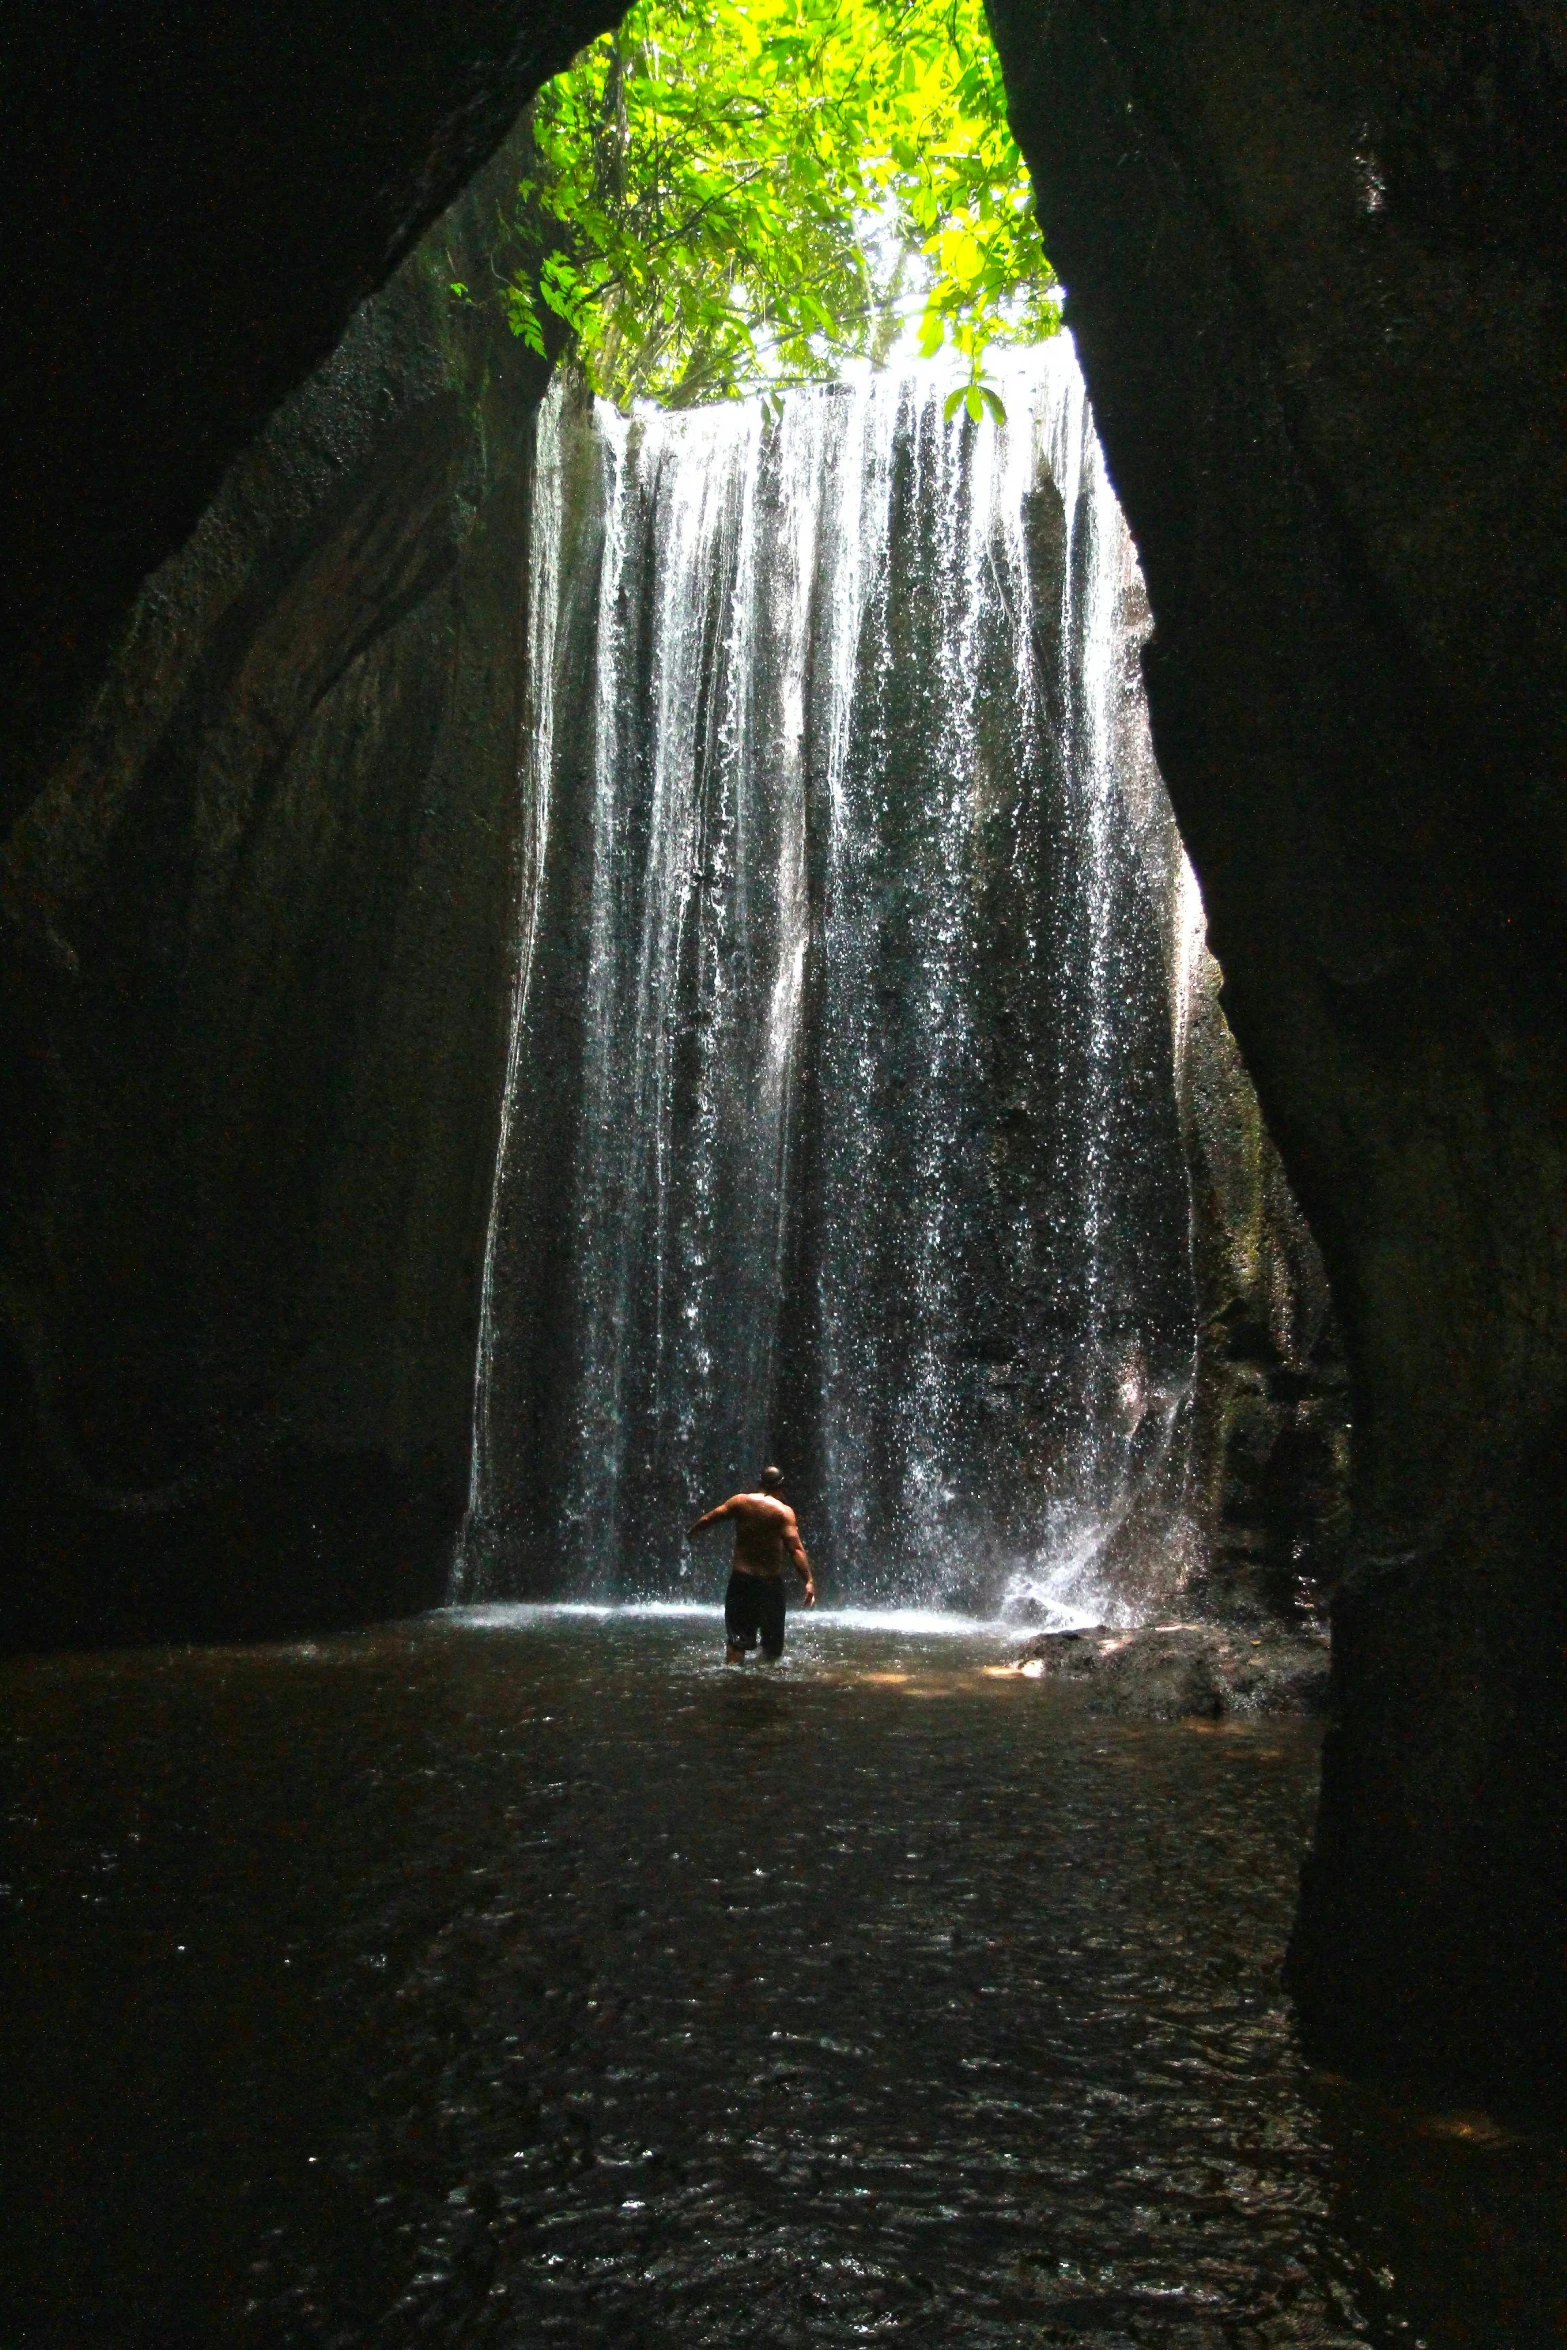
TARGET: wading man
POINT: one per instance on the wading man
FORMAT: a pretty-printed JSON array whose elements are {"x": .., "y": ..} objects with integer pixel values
[{"x": 765, "y": 1531}]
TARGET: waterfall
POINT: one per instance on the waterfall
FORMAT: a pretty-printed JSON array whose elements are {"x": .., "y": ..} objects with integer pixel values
[
  {"x": 535, "y": 780},
  {"x": 841, "y": 1118}
]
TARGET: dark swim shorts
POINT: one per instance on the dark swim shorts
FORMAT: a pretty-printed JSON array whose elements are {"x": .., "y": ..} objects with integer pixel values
[{"x": 753, "y": 1606}]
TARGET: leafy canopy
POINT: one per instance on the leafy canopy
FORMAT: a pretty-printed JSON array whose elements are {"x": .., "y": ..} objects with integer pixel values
[{"x": 742, "y": 194}]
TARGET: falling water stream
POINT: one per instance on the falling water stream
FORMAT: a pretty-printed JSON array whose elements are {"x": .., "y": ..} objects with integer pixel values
[{"x": 841, "y": 1111}]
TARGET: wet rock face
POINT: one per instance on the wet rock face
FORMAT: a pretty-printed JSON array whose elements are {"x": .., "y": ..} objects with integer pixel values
[
  {"x": 260, "y": 919},
  {"x": 1314, "y": 261},
  {"x": 253, "y": 921},
  {"x": 1185, "y": 1672},
  {"x": 1272, "y": 1435}
]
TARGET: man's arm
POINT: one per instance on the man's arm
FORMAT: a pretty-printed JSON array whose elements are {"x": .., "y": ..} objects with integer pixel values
[
  {"x": 802, "y": 1565},
  {"x": 725, "y": 1509}
]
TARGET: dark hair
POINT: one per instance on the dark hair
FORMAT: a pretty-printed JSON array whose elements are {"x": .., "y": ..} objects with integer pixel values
[{"x": 770, "y": 1480}]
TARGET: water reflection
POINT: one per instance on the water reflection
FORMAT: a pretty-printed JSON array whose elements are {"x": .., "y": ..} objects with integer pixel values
[{"x": 539, "y": 1980}]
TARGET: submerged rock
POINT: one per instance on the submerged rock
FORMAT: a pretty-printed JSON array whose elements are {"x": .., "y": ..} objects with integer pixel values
[{"x": 1169, "y": 1672}]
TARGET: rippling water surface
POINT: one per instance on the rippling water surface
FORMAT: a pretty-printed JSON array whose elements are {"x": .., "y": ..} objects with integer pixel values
[{"x": 524, "y": 1977}]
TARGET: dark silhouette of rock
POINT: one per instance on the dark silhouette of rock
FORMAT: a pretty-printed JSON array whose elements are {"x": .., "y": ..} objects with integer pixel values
[
  {"x": 260, "y": 920},
  {"x": 1174, "y": 1672},
  {"x": 200, "y": 198},
  {"x": 1315, "y": 268},
  {"x": 1272, "y": 1437}
]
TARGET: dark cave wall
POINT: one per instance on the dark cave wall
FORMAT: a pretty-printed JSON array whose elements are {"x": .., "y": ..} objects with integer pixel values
[
  {"x": 1271, "y": 1438},
  {"x": 203, "y": 1177},
  {"x": 1265, "y": 1467},
  {"x": 197, "y": 199},
  {"x": 1315, "y": 268},
  {"x": 259, "y": 921}
]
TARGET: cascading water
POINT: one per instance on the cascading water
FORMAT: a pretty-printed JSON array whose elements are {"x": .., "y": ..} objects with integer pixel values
[{"x": 841, "y": 1117}]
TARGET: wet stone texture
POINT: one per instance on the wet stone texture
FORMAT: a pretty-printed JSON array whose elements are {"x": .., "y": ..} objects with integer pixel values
[
  {"x": 532, "y": 1979},
  {"x": 1176, "y": 1672},
  {"x": 1344, "y": 469}
]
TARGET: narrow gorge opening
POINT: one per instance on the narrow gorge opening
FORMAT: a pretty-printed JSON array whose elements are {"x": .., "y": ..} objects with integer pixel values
[
  {"x": 784, "y": 760},
  {"x": 868, "y": 1102},
  {"x": 668, "y": 906}
]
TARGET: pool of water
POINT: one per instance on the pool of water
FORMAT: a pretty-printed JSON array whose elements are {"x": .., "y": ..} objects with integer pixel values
[{"x": 524, "y": 1976}]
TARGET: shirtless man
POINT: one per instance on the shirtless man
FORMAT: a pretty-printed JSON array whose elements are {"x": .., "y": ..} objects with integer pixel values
[{"x": 765, "y": 1529}]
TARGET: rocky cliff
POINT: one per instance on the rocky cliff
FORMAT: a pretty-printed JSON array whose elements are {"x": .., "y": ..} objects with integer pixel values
[
  {"x": 1315, "y": 267},
  {"x": 260, "y": 918},
  {"x": 1271, "y": 1447}
]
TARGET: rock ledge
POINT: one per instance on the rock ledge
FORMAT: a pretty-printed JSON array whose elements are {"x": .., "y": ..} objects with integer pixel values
[{"x": 1168, "y": 1672}]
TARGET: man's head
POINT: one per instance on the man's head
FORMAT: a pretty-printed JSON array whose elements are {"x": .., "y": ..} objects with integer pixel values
[{"x": 770, "y": 1481}]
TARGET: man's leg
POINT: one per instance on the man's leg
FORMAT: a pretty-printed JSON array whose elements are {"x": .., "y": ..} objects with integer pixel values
[
  {"x": 772, "y": 1619},
  {"x": 739, "y": 1626}
]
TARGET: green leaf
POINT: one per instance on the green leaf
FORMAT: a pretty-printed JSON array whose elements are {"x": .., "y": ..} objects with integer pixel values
[{"x": 690, "y": 201}]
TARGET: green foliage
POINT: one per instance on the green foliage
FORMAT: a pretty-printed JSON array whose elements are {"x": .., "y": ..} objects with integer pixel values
[{"x": 742, "y": 194}]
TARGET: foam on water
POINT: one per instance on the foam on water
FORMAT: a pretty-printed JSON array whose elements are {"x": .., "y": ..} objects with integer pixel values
[{"x": 920, "y": 1622}]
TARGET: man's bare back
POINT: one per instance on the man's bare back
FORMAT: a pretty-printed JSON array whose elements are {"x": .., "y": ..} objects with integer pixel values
[{"x": 766, "y": 1533}]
